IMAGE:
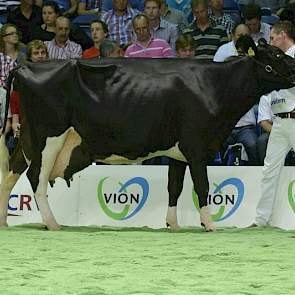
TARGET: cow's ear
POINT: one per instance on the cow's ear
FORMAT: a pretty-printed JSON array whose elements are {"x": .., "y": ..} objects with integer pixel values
[{"x": 262, "y": 42}]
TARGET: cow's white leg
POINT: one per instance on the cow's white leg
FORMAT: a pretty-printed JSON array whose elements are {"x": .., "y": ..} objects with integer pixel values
[
  {"x": 171, "y": 218},
  {"x": 205, "y": 218},
  {"x": 49, "y": 154},
  {"x": 6, "y": 186}
]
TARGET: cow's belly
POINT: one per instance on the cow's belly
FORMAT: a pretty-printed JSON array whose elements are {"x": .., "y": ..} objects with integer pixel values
[
  {"x": 71, "y": 139},
  {"x": 174, "y": 152}
]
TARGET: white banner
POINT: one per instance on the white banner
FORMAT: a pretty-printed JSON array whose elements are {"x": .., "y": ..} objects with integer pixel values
[{"x": 136, "y": 196}]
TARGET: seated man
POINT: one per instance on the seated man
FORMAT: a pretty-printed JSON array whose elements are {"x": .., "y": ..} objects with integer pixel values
[
  {"x": 173, "y": 16},
  {"x": 160, "y": 28},
  {"x": 219, "y": 17},
  {"x": 119, "y": 21},
  {"x": 258, "y": 29},
  {"x": 61, "y": 47},
  {"x": 146, "y": 45},
  {"x": 99, "y": 31},
  {"x": 207, "y": 37},
  {"x": 36, "y": 52},
  {"x": 90, "y": 7}
]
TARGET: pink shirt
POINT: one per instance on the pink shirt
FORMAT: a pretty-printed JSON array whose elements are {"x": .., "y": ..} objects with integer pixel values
[{"x": 156, "y": 48}]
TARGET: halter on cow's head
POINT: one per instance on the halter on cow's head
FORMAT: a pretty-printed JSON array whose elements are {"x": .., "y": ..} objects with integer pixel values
[{"x": 276, "y": 69}]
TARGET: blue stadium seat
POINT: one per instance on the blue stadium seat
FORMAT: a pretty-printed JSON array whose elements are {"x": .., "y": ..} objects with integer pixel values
[
  {"x": 84, "y": 21},
  {"x": 230, "y": 5},
  {"x": 3, "y": 18}
]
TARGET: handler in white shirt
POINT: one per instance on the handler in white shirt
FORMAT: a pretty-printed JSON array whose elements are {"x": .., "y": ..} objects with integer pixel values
[{"x": 282, "y": 136}]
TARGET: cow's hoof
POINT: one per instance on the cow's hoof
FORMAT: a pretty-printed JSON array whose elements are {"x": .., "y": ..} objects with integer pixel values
[
  {"x": 53, "y": 227},
  {"x": 172, "y": 226},
  {"x": 3, "y": 225},
  {"x": 210, "y": 227},
  {"x": 206, "y": 220},
  {"x": 253, "y": 225}
]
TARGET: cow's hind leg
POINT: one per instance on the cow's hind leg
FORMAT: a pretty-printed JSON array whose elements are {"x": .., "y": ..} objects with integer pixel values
[
  {"x": 201, "y": 185},
  {"x": 17, "y": 166},
  {"x": 49, "y": 155},
  {"x": 6, "y": 187},
  {"x": 175, "y": 184}
]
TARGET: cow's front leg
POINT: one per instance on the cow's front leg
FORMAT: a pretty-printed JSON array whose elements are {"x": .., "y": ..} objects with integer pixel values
[
  {"x": 201, "y": 185},
  {"x": 5, "y": 189},
  {"x": 175, "y": 184}
]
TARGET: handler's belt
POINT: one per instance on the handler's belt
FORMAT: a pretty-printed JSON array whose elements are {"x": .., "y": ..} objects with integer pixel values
[{"x": 286, "y": 115}]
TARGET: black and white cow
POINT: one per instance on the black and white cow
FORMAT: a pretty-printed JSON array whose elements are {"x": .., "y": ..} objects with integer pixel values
[{"x": 120, "y": 111}]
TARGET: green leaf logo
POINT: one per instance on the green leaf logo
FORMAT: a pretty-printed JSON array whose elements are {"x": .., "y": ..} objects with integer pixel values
[{"x": 290, "y": 195}]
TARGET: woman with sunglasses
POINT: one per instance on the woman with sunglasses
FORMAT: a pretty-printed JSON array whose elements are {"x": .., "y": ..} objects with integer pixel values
[{"x": 10, "y": 44}]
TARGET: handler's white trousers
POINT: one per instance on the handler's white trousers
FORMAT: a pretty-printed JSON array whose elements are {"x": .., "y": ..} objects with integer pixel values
[{"x": 281, "y": 140}]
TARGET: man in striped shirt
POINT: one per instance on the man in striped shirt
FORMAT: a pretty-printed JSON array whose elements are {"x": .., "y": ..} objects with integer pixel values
[
  {"x": 161, "y": 28},
  {"x": 119, "y": 21},
  {"x": 61, "y": 47},
  {"x": 207, "y": 38},
  {"x": 146, "y": 45}
]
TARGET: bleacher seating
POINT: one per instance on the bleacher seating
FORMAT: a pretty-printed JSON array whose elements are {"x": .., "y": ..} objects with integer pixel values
[{"x": 84, "y": 21}]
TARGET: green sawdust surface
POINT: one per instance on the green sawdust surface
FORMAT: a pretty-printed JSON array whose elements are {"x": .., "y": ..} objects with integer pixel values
[{"x": 142, "y": 261}]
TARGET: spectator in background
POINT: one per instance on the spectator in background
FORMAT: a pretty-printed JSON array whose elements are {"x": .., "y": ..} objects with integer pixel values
[
  {"x": 36, "y": 52},
  {"x": 252, "y": 15},
  {"x": 207, "y": 38},
  {"x": 26, "y": 17},
  {"x": 46, "y": 32},
  {"x": 173, "y": 16},
  {"x": 10, "y": 43},
  {"x": 147, "y": 45},
  {"x": 68, "y": 8},
  {"x": 6, "y": 65},
  {"x": 182, "y": 5},
  {"x": 90, "y": 7},
  {"x": 160, "y": 28},
  {"x": 229, "y": 49},
  {"x": 136, "y": 4},
  {"x": 99, "y": 31},
  {"x": 119, "y": 21},
  {"x": 287, "y": 14},
  {"x": 110, "y": 48},
  {"x": 185, "y": 46},
  {"x": 61, "y": 47},
  {"x": 218, "y": 17}
]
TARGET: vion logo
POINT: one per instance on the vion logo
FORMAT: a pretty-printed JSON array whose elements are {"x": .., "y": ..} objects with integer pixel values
[
  {"x": 224, "y": 199},
  {"x": 121, "y": 201}
]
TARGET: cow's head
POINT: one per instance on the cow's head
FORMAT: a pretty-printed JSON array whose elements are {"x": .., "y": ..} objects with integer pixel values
[{"x": 276, "y": 70}]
